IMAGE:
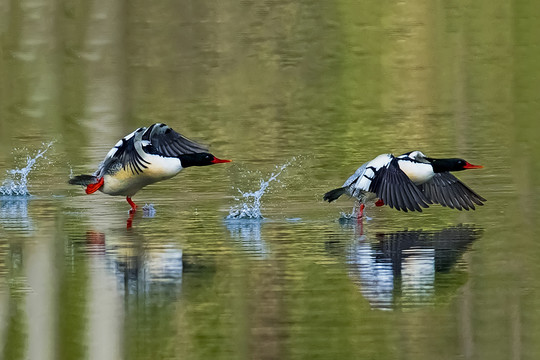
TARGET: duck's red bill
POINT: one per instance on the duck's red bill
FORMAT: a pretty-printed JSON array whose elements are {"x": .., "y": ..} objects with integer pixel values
[
  {"x": 471, "y": 166},
  {"x": 218, "y": 161}
]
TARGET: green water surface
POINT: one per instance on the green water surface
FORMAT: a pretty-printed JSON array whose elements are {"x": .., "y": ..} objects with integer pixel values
[{"x": 325, "y": 85}]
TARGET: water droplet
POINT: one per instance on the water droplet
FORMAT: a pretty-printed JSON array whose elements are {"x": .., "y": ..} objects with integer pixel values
[
  {"x": 16, "y": 184},
  {"x": 250, "y": 208}
]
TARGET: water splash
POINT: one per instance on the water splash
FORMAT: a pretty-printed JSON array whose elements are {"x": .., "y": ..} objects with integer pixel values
[
  {"x": 250, "y": 208},
  {"x": 148, "y": 211},
  {"x": 16, "y": 183},
  {"x": 345, "y": 217},
  {"x": 352, "y": 217}
]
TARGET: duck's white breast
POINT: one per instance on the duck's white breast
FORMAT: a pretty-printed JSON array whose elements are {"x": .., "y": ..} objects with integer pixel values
[
  {"x": 419, "y": 173},
  {"x": 125, "y": 182},
  {"x": 161, "y": 168}
]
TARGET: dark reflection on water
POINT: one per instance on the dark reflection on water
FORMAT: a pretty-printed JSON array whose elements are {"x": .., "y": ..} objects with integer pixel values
[
  {"x": 408, "y": 268},
  {"x": 139, "y": 268},
  {"x": 262, "y": 82}
]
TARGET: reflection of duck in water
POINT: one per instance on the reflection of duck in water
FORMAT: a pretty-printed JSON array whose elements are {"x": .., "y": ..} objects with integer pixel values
[
  {"x": 248, "y": 234},
  {"x": 145, "y": 156},
  {"x": 404, "y": 268},
  {"x": 409, "y": 182},
  {"x": 139, "y": 267}
]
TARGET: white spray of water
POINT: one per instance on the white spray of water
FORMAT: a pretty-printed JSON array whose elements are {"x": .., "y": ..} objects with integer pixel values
[
  {"x": 349, "y": 216},
  {"x": 16, "y": 183},
  {"x": 352, "y": 216},
  {"x": 148, "y": 211},
  {"x": 250, "y": 208}
]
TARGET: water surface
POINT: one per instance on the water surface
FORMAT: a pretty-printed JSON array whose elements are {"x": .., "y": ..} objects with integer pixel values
[{"x": 323, "y": 86}]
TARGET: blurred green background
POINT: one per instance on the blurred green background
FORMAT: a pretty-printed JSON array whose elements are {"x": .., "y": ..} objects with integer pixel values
[{"x": 326, "y": 85}]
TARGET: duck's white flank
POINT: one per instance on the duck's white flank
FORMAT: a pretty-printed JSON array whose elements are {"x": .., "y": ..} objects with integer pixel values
[
  {"x": 158, "y": 168},
  {"x": 374, "y": 165}
]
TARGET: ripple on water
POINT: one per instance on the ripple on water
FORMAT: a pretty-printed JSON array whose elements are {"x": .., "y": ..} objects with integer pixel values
[{"x": 247, "y": 232}]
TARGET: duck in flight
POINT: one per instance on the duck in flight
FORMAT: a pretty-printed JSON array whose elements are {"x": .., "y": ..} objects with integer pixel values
[
  {"x": 145, "y": 156},
  {"x": 410, "y": 181}
]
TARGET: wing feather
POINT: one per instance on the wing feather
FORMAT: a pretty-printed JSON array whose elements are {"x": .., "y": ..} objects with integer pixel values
[
  {"x": 165, "y": 141},
  {"x": 126, "y": 155},
  {"x": 447, "y": 190},
  {"x": 393, "y": 186}
]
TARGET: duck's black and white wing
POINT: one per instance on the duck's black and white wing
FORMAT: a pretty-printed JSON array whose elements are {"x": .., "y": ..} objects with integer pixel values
[
  {"x": 395, "y": 188},
  {"x": 161, "y": 140},
  {"x": 447, "y": 190},
  {"x": 126, "y": 154}
]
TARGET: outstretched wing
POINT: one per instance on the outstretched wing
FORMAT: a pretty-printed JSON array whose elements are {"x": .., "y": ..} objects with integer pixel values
[
  {"x": 445, "y": 189},
  {"x": 162, "y": 140},
  {"x": 126, "y": 154},
  {"x": 395, "y": 188}
]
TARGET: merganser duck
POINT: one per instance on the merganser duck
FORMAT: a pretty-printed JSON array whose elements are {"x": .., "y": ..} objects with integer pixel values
[
  {"x": 409, "y": 182},
  {"x": 145, "y": 156}
]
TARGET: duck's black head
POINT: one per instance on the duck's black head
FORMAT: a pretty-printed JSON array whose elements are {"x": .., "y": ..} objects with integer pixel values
[
  {"x": 454, "y": 164},
  {"x": 200, "y": 159}
]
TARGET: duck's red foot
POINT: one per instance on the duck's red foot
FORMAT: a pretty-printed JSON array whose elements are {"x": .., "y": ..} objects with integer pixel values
[
  {"x": 361, "y": 211},
  {"x": 379, "y": 202},
  {"x": 132, "y": 204},
  {"x": 131, "y": 212},
  {"x": 92, "y": 188}
]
